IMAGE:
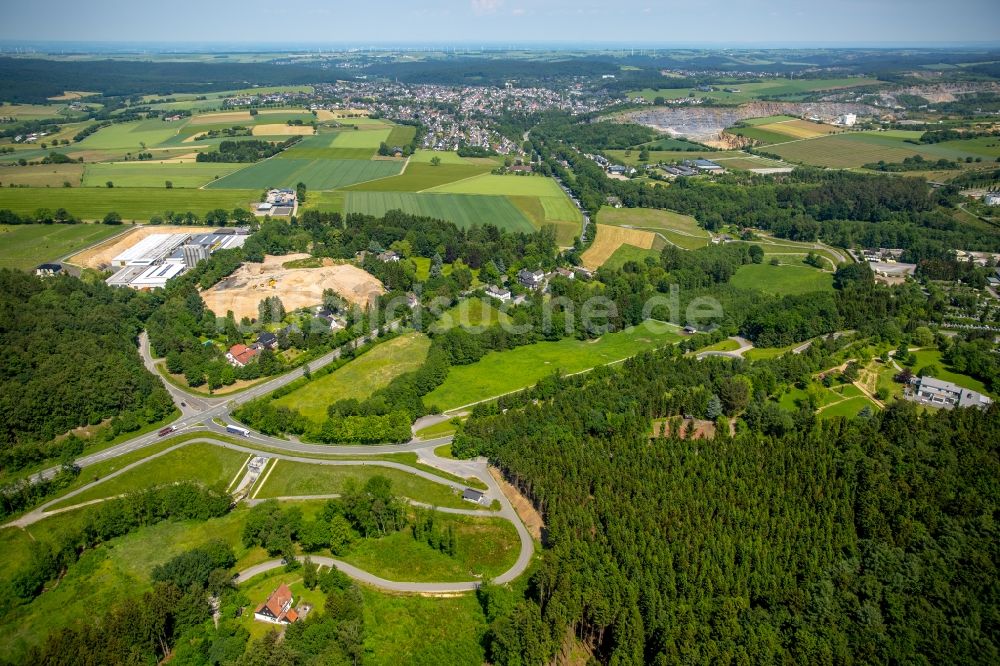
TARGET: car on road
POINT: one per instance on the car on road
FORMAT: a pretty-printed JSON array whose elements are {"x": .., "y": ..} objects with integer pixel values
[{"x": 166, "y": 431}]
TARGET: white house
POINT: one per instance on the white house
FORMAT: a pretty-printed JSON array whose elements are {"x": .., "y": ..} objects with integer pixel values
[{"x": 278, "y": 607}]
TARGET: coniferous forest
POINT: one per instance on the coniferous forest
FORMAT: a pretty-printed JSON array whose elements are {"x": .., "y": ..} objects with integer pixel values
[{"x": 869, "y": 540}]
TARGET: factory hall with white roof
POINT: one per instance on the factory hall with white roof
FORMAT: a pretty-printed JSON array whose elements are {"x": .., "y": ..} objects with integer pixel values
[{"x": 159, "y": 257}]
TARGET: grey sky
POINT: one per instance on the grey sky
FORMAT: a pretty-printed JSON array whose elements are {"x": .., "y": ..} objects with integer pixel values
[{"x": 662, "y": 22}]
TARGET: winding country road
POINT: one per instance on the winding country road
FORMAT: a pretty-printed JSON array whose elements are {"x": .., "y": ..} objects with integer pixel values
[{"x": 198, "y": 414}]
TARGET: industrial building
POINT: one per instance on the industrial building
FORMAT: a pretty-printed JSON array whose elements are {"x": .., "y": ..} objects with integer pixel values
[{"x": 159, "y": 257}]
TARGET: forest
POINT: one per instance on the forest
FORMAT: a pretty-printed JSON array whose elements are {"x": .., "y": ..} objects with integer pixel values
[
  {"x": 70, "y": 360},
  {"x": 246, "y": 151},
  {"x": 843, "y": 541}
]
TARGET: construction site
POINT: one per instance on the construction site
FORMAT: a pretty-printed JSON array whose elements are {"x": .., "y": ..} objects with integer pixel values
[{"x": 243, "y": 291}]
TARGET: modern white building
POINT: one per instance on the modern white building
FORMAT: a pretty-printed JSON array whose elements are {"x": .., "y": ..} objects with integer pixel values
[
  {"x": 847, "y": 119},
  {"x": 945, "y": 394},
  {"x": 992, "y": 199},
  {"x": 150, "y": 250}
]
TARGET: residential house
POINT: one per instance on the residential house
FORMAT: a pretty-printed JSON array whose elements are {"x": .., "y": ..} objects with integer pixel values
[
  {"x": 267, "y": 340},
  {"x": 530, "y": 279},
  {"x": 690, "y": 330},
  {"x": 388, "y": 256},
  {"x": 240, "y": 355},
  {"x": 992, "y": 199},
  {"x": 566, "y": 273},
  {"x": 498, "y": 292},
  {"x": 48, "y": 270},
  {"x": 278, "y": 607}
]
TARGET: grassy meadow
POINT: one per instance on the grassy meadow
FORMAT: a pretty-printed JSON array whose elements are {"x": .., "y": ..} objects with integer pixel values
[
  {"x": 502, "y": 372},
  {"x": 782, "y": 280},
  {"x": 464, "y": 210},
  {"x": 27, "y": 245},
  {"x": 359, "y": 378},
  {"x": 134, "y": 203}
]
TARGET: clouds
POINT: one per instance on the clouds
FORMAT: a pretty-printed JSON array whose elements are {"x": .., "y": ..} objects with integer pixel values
[{"x": 482, "y": 7}]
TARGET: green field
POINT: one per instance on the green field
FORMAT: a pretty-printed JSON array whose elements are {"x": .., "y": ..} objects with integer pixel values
[
  {"x": 136, "y": 136},
  {"x": 484, "y": 546},
  {"x": 359, "y": 378},
  {"x": 626, "y": 253},
  {"x": 401, "y": 135},
  {"x": 464, "y": 210},
  {"x": 782, "y": 280},
  {"x": 411, "y": 630},
  {"x": 470, "y": 313},
  {"x": 289, "y": 479},
  {"x": 155, "y": 174},
  {"x": 632, "y": 157},
  {"x": 114, "y": 571},
  {"x": 678, "y": 229},
  {"x": 536, "y": 186},
  {"x": 318, "y": 174},
  {"x": 205, "y": 463},
  {"x": 420, "y": 176},
  {"x": 27, "y": 245},
  {"x": 361, "y": 138},
  {"x": 131, "y": 203},
  {"x": 502, "y": 372},
  {"x": 41, "y": 175},
  {"x": 849, "y": 408},
  {"x": 445, "y": 156},
  {"x": 854, "y": 149}
]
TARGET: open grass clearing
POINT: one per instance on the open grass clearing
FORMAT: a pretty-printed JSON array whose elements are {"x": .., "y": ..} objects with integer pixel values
[
  {"x": 464, "y": 210},
  {"x": 318, "y": 174},
  {"x": 626, "y": 253},
  {"x": 782, "y": 280},
  {"x": 422, "y": 176},
  {"x": 560, "y": 214},
  {"x": 295, "y": 478},
  {"x": 25, "y": 246},
  {"x": 483, "y": 546},
  {"x": 156, "y": 174},
  {"x": 136, "y": 203},
  {"x": 854, "y": 149},
  {"x": 207, "y": 464},
  {"x": 850, "y": 408},
  {"x": 359, "y": 378},
  {"x": 442, "y": 429},
  {"x": 502, "y": 372},
  {"x": 411, "y": 630},
  {"x": 470, "y": 313}
]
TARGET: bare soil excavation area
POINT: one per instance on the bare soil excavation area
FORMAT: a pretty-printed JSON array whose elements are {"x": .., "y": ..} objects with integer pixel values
[{"x": 242, "y": 291}]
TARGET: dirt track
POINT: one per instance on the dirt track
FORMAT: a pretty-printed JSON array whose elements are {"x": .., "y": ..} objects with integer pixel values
[{"x": 242, "y": 291}]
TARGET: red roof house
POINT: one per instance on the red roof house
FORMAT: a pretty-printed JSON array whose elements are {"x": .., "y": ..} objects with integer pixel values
[
  {"x": 240, "y": 355},
  {"x": 278, "y": 607}
]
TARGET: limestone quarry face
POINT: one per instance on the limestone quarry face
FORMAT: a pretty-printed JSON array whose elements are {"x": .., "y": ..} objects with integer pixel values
[{"x": 706, "y": 124}]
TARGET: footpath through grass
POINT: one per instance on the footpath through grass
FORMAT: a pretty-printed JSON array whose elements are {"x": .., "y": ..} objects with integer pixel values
[{"x": 503, "y": 372}]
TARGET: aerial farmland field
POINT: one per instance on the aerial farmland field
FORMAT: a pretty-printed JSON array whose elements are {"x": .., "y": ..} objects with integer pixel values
[
  {"x": 319, "y": 174},
  {"x": 156, "y": 174},
  {"x": 783, "y": 280},
  {"x": 361, "y": 138},
  {"x": 537, "y": 186},
  {"x": 422, "y": 176},
  {"x": 744, "y": 92},
  {"x": 130, "y": 136},
  {"x": 464, "y": 210},
  {"x": 27, "y": 245},
  {"x": 41, "y": 175},
  {"x": 136, "y": 203},
  {"x": 680, "y": 230},
  {"x": 855, "y": 149}
]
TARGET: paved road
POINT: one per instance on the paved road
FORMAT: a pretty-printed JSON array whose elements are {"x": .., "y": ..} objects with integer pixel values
[
  {"x": 744, "y": 346},
  {"x": 477, "y": 468}
]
